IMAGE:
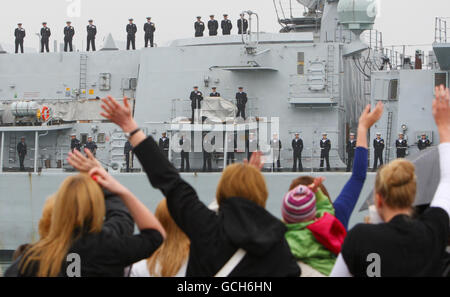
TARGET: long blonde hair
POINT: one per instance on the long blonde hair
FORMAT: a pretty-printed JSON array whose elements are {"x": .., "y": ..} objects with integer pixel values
[
  {"x": 79, "y": 207},
  {"x": 243, "y": 181},
  {"x": 46, "y": 219},
  {"x": 396, "y": 183},
  {"x": 172, "y": 254}
]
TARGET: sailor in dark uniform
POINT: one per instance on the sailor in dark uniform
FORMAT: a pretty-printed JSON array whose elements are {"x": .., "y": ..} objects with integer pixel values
[
  {"x": 297, "y": 148},
  {"x": 196, "y": 99},
  {"x": 91, "y": 145},
  {"x": 226, "y": 25},
  {"x": 241, "y": 101},
  {"x": 242, "y": 25},
  {"x": 75, "y": 144},
  {"x": 325, "y": 147},
  {"x": 199, "y": 27},
  {"x": 214, "y": 93},
  {"x": 185, "y": 145},
  {"x": 131, "y": 34},
  {"x": 19, "y": 33},
  {"x": 351, "y": 147},
  {"x": 164, "y": 145},
  {"x": 402, "y": 145},
  {"x": 69, "y": 32},
  {"x": 378, "y": 146},
  {"x": 275, "y": 144},
  {"x": 149, "y": 29},
  {"x": 207, "y": 154},
  {"x": 213, "y": 26},
  {"x": 126, "y": 151},
  {"x": 424, "y": 142},
  {"x": 22, "y": 152},
  {"x": 45, "y": 37},
  {"x": 91, "y": 33}
]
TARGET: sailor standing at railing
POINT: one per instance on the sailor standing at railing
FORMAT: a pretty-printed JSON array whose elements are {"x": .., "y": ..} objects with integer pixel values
[
  {"x": 424, "y": 142},
  {"x": 378, "y": 146},
  {"x": 213, "y": 26},
  {"x": 297, "y": 147},
  {"x": 149, "y": 29},
  {"x": 19, "y": 33},
  {"x": 275, "y": 144},
  {"x": 196, "y": 99},
  {"x": 45, "y": 37},
  {"x": 214, "y": 93},
  {"x": 402, "y": 145},
  {"x": 199, "y": 27},
  {"x": 131, "y": 34},
  {"x": 69, "y": 32},
  {"x": 242, "y": 25},
  {"x": 351, "y": 147},
  {"x": 226, "y": 25},
  {"x": 91, "y": 33},
  {"x": 22, "y": 151},
  {"x": 325, "y": 147}
]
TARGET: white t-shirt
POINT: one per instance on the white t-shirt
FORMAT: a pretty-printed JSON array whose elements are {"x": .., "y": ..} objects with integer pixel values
[{"x": 140, "y": 269}]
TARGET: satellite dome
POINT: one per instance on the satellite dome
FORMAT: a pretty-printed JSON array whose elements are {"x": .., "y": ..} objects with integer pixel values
[{"x": 358, "y": 15}]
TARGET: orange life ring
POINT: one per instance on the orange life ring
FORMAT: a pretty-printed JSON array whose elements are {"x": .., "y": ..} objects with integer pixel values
[{"x": 45, "y": 113}]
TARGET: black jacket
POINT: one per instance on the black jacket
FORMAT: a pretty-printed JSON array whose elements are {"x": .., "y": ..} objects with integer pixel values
[
  {"x": 226, "y": 26},
  {"x": 149, "y": 28},
  {"x": 199, "y": 28},
  {"x": 75, "y": 144},
  {"x": 45, "y": 33},
  {"x": 216, "y": 94},
  {"x": 297, "y": 146},
  {"x": 378, "y": 145},
  {"x": 22, "y": 148},
  {"x": 213, "y": 26},
  {"x": 401, "y": 146},
  {"x": 423, "y": 144},
  {"x": 91, "y": 31},
  {"x": 131, "y": 29},
  {"x": 351, "y": 147},
  {"x": 240, "y": 25},
  {"x": 215, "y": 238},
  {"x": 241, "y": 99},
  {"x": 196, "y": 99},
  {"x": 325, "y": 146},
  {"x": 164, "y": 144},
  {"x": 69, "y": 32},
  {"x": 19, "y": 33},
  {"x": 107, "y": 253},
  {"x": 92, "y": 146}
]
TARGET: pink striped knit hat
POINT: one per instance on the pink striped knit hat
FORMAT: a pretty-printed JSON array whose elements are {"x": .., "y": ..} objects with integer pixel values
[{"x": 299, "y": 205}]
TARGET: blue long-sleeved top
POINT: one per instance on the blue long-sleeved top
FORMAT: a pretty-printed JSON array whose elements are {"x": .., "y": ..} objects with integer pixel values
[{"x": 346, "y": 201}]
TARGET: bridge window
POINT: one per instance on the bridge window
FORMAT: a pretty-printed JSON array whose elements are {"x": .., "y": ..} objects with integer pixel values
[{"x": 393, "y": 89}]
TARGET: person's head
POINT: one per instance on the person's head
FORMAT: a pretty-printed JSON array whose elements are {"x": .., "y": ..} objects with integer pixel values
[
  {"x": 91, "y": 22},
  {"x": 241, "y": 89},
  {"x": 306, "y": 181},
  {"x": 324, "y": 135},
  {"x": 44, "y": 24},
  {"x": 195, "y": 88},
  {"x": 212, "y": 17},
  {"x": 46, "y": 219},
  {"x": 69, "y": 23},
  {"x": 73, "y": 136},
  {"x": 19, "y": 25},
  {"x": 164, "y": 134},
  {"x": 378, "y": 135},
  {"x": 297, "y": 135},
  {"x": 352, "y": 136},
  {"x": 130, "y": 20},
  {"x": 79, "y": 208},
  {"x": 424, "y": 136},
  {"x": 401, "y": 135},
  {"x": 22, "y": 139},
  {"x": 175, "y": 249},
  {"x": 225, "y": 16},
  {"x": 242, "y": 15},
  {"x": 149, "y": 19},
  {"x": 214, "y": 89},
  {"x": 275, "y": 136},
  {"x": 395, "y": 187},
  {"x": 90, "y": 139},
  {"x": 199, "y": 18},
  {"x": 299, "y": 205},
  {"x": 243, "y": 181}
]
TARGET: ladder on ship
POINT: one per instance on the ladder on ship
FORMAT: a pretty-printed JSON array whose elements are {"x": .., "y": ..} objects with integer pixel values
[
  {"x": 330, "y": 70},
  {"x": 12, "y": 154},
  {"x": 83, "y": 75},
  {"x": 388, "y": 138}
]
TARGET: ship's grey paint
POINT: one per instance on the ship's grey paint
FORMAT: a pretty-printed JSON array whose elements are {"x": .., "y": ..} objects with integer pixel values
[{"x": 22, "y": 205}]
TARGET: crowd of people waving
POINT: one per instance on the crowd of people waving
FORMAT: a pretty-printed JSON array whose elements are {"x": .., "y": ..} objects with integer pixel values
[{"x": 93, "y": 216}]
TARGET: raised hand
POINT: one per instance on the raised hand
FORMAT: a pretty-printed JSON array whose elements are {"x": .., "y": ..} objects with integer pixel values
[
  {"x": 256, "y": 160},
  {"x": 369, "y": 118},
  {"x": 120, "y": 115},
  {"x": 316, "y": 184},
  {"x": 441, "y": 112},
  {"x": 106, "y": 181},
  {"x": 82, "y": 163}
]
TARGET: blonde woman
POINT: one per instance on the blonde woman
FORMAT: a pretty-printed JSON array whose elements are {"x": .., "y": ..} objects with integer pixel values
[
  {"x": 243, "y": 230},
  {"x": 170, "y": 260},
  {"x": 82, "y": 225},
  {"x": 403, "y": 246}
]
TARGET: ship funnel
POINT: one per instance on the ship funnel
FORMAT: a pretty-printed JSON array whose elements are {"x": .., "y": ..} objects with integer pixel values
[
  {"x": 2, "y": 51},
  {"x": 109, "y": 44}
]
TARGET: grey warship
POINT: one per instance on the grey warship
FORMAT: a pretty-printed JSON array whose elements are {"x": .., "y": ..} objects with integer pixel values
[{"x": 314, "y": 76}]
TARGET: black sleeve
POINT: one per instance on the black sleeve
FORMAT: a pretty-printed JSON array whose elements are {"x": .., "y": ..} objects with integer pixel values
[
  {"x": 190, "y": 214},
  {"x": 437, "y": 221},
  {"x": 118, "y": 219},
  {"x": 301, "y": 145}
]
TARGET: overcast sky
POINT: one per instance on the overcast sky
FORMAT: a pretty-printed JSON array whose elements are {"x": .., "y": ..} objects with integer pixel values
[{"x": 401, "y": 21}]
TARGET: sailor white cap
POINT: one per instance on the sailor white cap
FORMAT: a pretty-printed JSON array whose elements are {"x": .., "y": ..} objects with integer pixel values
[
  {"x": 324, "y": 133},
  {"x": 378, "y": 133},
  {"x": 352, "y": 134}
]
